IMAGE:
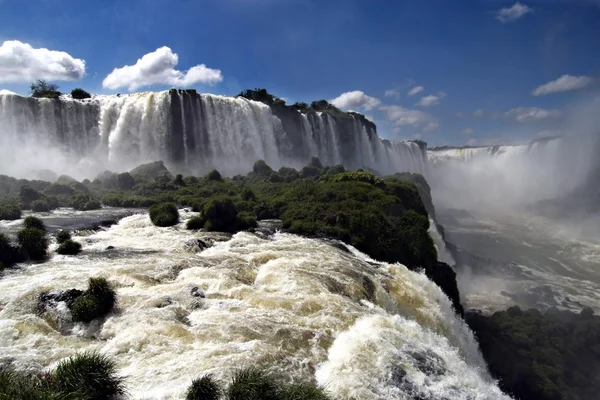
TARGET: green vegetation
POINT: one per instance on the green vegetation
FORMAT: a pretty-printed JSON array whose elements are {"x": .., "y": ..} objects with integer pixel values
[
  {"x": 69, "y": 247},
  {"x": 93, "y": 376},
  {"x": 261, "y": 95},
  {"x": 43, "y": 89},
  {"x": 9, "y": 211},
  {"x": 252, "y": 384},
  {"x": 164, "y": 214},
  {"x": 9, "y": 254},
  {"x": 80, "y": 94},
  {"x": 33, "y": 243},
  {"x": 97, "y": 301},
  {"x": 34, "y": 223},
  {"x": 214, "y": 175},
  {"x": 204, "y": 388},
  {"x": 550, "y": 356},
  {"x": 40, "y": 206},
  {"x": 63, "y": 236},
  {"x": 87, "y": 376}
]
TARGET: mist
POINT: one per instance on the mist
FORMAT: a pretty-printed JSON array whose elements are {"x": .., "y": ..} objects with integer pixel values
[{"x": 512, "y": 178}]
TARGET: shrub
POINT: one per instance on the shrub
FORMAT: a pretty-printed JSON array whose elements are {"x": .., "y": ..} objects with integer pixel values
[
  {"x": 196, "y": 222},
  {"x": 261, "y": 169},
  {"x": 97, "y": 301},
  {"x": 164, "y": 214},
  {"x": 245, "y": 220},
  {"x": 41, "y": 88},
  {"x": 84, "y": 202},
  {"x": 276, "y": 178},
  {"x": 304, "y": 391},
  {"x": 19, "y": 386},
  {"x": 9, "y": 255},
  {"x": 248, "y": 195},
  {"x": 28, "y": 195},
  {"x": 10, "y": 212},
  {"x": 34, "y": 222},
  {"x": 220, "y": 214},
  {"x": 310, "y": 171},
  {"x": 63, "y": 236},
  {"x": 205, "y": 388},
  {"x": 40, "y": 206},
  {"x": 69, "y": 247},
  {"x": 214, "y": 175},
  {"x": 252, "y": 384},
  {"x": 80, "y": 94},
  {"x": 33, "y": 243},
  {"x": 88, "y": 376}
]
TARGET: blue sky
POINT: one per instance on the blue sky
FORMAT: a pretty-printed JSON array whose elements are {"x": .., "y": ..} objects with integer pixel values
[{"x": 478, "y": 61}]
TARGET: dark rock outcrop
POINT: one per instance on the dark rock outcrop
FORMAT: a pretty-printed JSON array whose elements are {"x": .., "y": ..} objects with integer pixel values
[{"x": 444, "y": 276}]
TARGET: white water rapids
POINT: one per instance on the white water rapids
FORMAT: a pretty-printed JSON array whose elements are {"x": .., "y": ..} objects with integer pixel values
[{"x": 364, "y": 330}]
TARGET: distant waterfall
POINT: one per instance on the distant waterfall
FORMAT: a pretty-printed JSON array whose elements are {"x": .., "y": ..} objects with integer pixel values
[{"x": 191, "y": 132}]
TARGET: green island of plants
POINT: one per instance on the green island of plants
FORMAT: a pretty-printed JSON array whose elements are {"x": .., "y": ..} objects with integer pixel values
[{"x": 97, "y": 301}]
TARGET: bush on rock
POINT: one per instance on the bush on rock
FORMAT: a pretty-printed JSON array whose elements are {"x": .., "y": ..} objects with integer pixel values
[
  {"x": 164, "y": 214},
  {"x": 97, "y": 301}
]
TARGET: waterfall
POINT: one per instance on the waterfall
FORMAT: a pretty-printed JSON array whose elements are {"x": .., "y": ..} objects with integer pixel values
[{"x": 191, "y": 132}]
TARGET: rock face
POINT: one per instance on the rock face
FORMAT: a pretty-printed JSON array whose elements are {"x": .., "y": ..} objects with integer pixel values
[{"x": 444, "y": 276}]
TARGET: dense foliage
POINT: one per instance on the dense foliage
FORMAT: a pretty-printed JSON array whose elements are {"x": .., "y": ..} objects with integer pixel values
[
  {"x": 41, "y": 88},
  {"x": 80, "y": 94},
  {"x": 86, "y": 376},
  {"x": 164, "y": 214},
  {"x": 93, "y": 376},
  {"x": 69, "y": 247},
  {"x": 550, "y": 356},
  {"x": 97, "y": 301},
  {"x": 33, "y": 243}
]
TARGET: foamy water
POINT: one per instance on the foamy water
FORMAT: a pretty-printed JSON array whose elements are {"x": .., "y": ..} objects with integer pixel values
[{"x": 302, "y": 307}]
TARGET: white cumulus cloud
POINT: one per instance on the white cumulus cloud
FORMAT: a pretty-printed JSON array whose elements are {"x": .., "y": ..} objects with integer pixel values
[
  {"x": 415, "y": 90},
  {"x": 532, "y": 114},
  {"x": 356, "y": 98},
  {"x": 20, "y": 62},
  {"x": 563, "y": 84},
  {"x": 479, "y": 113},
  {"x": 158, "y": 68},
  {"x": 467, "y": 131},
  {"x": 392, "y": 93},
  {"x": 431, "y": 100},
  {"x": 511, "y": 14},
  {"x": 401, "y": 116}
]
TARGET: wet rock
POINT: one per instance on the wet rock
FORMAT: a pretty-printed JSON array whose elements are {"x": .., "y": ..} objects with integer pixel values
[
  {"x": 339, "y": 246},
  {"x": 429, "y": 363},
  {"x": 196, "y": 245},
  {"x": 49, "y": 300},
  {"x": 167, "y": 302},
  {"x": 444, "y": 276},
  {"x": 110, "y": 248},
  {"x": 197, "y": 292}
]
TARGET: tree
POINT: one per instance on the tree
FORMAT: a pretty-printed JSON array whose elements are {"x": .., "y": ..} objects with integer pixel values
[
  {"x": 79, "y": 94},
  {"x": 41, "y": 88}
]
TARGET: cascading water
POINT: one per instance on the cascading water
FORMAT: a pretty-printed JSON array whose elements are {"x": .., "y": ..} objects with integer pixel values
[
  {"x": 191, "y": 132},
  {"x": 306, "y": 309}
]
